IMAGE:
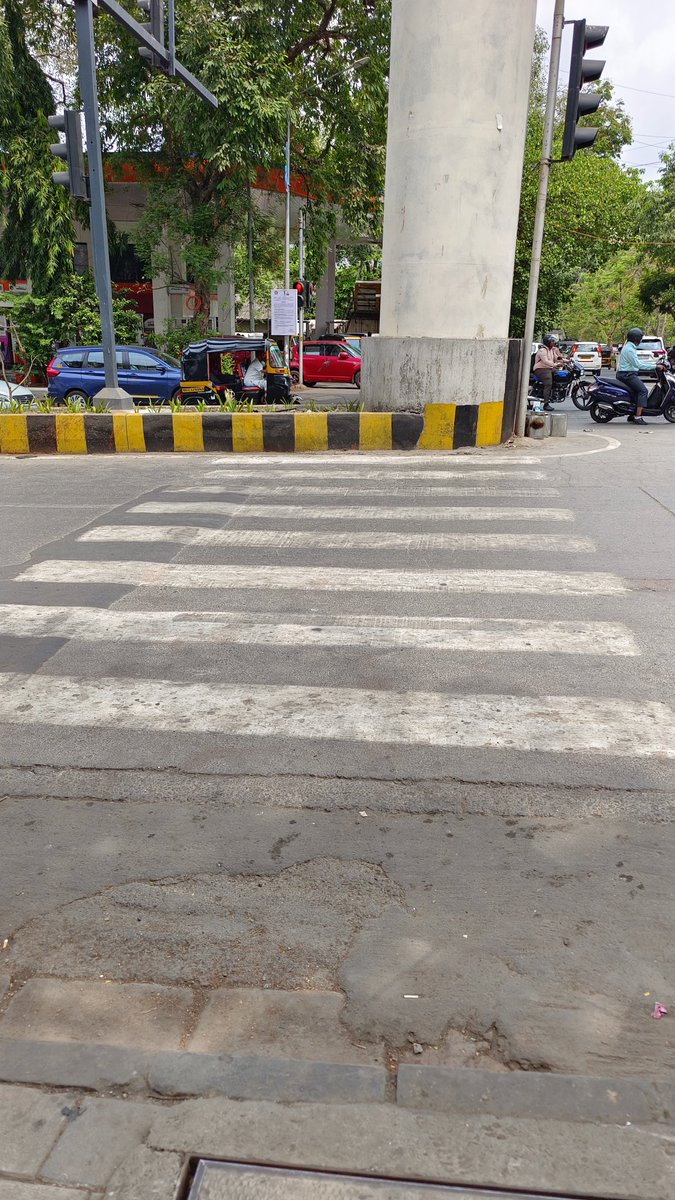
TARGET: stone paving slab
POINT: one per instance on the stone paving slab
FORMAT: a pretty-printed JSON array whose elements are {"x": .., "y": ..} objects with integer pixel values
[
  {"x": 30, "y": 1123},
  {"x": 146, "y": 1175},
  {"x": 121, "y": 1014},
  {"x": 546, "y": 1156},
  {"x": 95, "y": 1143},
  {"x": 252, "y": 1078},
  {"x": 4, "y": 984},
  {"x": 283, "y": 1024},
  {"x": 12, "y": 1189},
  {"x": 536, "y": 1094},
  {"x": 71, "y": 1065}
]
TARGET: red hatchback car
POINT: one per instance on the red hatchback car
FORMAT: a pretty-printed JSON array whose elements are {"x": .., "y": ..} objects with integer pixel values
[{"x": 327, "y": 362}]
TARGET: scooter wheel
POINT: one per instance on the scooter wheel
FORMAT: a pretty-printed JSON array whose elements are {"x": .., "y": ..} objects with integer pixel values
[
  {"x": 600, "y": 415},
  {"x": 669, "y": 413}
]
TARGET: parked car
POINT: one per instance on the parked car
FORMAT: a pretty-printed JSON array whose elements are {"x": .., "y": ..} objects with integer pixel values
[
  {"x": 588, "y": 356},
  {"x": 651, "y": 351},
  {"x": 76, "y": 373},
  {"x": 327, "y": 362},
  {"x": 14, "y": 392}
]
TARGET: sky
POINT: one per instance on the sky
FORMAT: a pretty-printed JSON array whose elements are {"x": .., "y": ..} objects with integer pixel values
[{"x": 639, "y": 54}]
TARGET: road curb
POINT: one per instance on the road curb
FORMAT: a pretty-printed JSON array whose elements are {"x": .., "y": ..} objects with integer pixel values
[
  {"x": 442, "y": 427},
  {"x": 182, "y": 1074}
]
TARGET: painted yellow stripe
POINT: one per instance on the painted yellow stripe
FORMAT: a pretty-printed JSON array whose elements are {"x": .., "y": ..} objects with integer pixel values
[
  {"x": 135, "y": 434},
  {"x": 70, "y": 436},
  {"x": 375, "y": 431},
  {"x": 489, "y": 430},
  {"x": 188, "y": 433},
  {"x": 13, "y": 434},
  {"x": 247, "y": 432},
  {"x": 120, "y": 432},
  {"x": 439, "y": 427},
  {"x": 311, "y": 431}
]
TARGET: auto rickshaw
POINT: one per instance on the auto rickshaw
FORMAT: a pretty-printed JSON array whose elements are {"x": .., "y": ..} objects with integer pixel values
[{"x": 220, "y": 364}]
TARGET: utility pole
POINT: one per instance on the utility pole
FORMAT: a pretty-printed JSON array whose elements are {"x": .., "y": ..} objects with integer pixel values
[
  {"x": 301, "y": 327},
  {"x": 115, "y": 396},
  {"x": 165, "y": 60},
  {"x": 540, "y": 213},
  {"x": 287, "y": 236}
]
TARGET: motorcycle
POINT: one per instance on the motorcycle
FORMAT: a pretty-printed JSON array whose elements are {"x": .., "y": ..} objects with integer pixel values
[
  {"x": 566, "y": 382},
  {"x": 610, "y": 398}
]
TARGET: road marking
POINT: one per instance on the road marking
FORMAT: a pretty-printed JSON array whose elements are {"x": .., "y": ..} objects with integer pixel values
[
  {"x": 323, "y": 579},
  {"x": 394, "y": 472},
  {"x": 297, "y": 512},
  {"x": 322, "y": 489},
  {"x": 280, "y": 539},
  {"x": 391, "y": 458},
  {"x": 244, "y": 628},
  {"x": 557, "y": 724}
]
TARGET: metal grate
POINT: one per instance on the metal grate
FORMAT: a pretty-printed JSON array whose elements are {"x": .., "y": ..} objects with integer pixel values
[{"x": 214, "y": 1180}]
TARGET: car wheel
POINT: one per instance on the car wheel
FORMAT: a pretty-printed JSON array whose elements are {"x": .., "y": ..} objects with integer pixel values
[
  {"x": 77, "y": 396},
  {"x": 175, "y": 395},
  {"x": 295, "y": 378},
  {"x": 357, "y": 379},
  {"x": 311, "y": 383}
]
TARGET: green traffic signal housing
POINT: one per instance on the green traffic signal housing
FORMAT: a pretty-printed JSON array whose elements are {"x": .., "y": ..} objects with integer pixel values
[
  {"x": 74, "y": 178},
  {"x": 581, "y": 103}
]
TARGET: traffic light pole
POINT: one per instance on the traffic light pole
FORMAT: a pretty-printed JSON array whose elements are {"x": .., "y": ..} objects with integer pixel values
[
  {"x": 84, "y": 22},
  {"x": 301, "y": 326},
  {"x": 540, "y": 213}
]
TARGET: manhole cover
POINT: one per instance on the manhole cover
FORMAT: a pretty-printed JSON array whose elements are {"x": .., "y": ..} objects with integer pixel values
[{"x": 238, "y": 1181}]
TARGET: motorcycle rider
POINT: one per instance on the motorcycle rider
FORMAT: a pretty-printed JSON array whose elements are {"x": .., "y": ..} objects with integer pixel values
[
  {"x": 547, "y": 360},
  {"x": 628, "y": 373}
]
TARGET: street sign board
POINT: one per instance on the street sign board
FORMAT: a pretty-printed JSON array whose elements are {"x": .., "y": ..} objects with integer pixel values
[{"x": 284, "y": 312}]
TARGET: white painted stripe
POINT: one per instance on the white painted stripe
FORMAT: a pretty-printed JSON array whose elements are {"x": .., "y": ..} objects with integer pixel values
[
  {"x": 394, "y": 472},
  {"x": 297, "y": 512},
  {"x": 246, "y": 628},
  {"x": 389, "y": 458},
  {"x": 321, "y": 489},
  {"x": 323, "y": 579},
  {"x": 560, "y": 724},
  {"x": 281, "y": 539}
]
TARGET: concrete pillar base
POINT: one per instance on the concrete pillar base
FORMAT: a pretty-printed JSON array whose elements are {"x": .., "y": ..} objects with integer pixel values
[
  {"x": 411, "y": 372},
  {"x": 117, "y": 399}
]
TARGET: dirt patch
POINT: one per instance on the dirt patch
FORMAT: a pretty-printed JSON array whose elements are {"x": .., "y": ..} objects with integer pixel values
[{"x": 289, "y": 930}]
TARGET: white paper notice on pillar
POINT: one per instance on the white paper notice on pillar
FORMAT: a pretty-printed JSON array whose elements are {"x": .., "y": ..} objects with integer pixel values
[{"x": 284, "y": 312}]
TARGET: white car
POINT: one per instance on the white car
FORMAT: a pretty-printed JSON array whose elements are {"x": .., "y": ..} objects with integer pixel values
[
  {"x": 588, "y": 356},
  {"x": 650, "y": 352},
  {"x": 15, "y": 391}
]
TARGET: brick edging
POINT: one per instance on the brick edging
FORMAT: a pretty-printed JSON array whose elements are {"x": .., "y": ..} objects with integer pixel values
[{"x": 443, "y": 427}]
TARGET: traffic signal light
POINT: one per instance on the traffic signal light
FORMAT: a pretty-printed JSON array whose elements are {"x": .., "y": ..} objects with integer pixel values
[
  {"x": 155, "y": 26},
  {"x": 308, "y": 293},
  {"x": 581, "y": 103},
  {"x": 74, "y": 178},
  {"x": 300, "y": 290}
]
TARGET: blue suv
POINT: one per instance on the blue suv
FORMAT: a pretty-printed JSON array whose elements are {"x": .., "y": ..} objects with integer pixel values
[{"x": 76, "y": 373}]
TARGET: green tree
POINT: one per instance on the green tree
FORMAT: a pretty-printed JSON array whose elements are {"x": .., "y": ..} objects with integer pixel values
[
  {"x": 264, "y": 59},
  {"x": 68, "y": 316},
  {"x": 36, "y": 235},
  {"x": 607, "y": 302}
]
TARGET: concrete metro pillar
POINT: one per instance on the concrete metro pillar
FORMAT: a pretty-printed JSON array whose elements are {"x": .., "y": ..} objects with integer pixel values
[
  {"x": 325, "y": 295},
  {"x": 458, "y": 100}
]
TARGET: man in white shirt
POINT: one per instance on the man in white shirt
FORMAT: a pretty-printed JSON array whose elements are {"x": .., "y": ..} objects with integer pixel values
[{"x": 255, "y": 374}]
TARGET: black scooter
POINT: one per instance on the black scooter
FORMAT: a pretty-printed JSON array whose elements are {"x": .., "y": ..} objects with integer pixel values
[{"x": 609, "y": 398}]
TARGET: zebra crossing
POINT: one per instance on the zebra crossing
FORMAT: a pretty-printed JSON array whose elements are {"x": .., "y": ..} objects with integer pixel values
[{"x": 344, "y": 606}]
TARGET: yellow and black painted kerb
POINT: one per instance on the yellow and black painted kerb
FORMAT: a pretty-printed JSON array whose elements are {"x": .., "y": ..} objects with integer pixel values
[{"x": 443, "y": 427}]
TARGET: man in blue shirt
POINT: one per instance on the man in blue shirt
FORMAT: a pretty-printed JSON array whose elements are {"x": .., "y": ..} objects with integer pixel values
[{"x": 628, "y": 373}]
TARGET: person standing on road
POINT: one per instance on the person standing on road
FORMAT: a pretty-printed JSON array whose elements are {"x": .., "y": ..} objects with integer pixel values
[
  {"x": 629, "y": 374},
  {"x": 547, "y": 360}
]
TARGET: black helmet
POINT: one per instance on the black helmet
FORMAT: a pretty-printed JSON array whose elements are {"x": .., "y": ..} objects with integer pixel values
[
  {"x": 635, "y": 335},
  {"x": 550, "y": 339}
]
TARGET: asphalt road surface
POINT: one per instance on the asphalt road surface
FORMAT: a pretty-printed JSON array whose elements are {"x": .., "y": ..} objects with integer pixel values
[{"x": 395, "y": 727}]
